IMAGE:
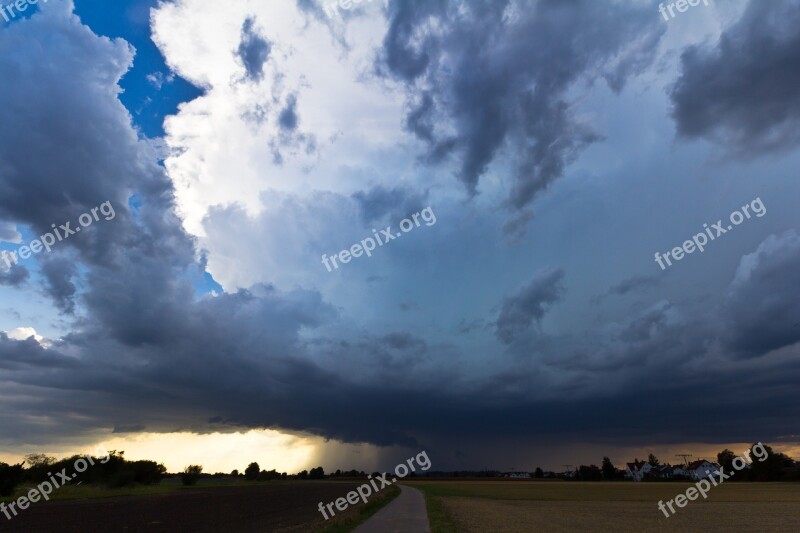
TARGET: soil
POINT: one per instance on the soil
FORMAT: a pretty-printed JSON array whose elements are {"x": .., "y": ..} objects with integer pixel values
[{"x": 268, "y": 507}]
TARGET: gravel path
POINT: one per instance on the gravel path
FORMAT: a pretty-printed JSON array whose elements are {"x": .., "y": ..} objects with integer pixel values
[{"x": 405, "y": 514}]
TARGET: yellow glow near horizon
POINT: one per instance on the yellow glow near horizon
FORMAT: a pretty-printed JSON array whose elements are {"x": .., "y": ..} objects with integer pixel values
[
  {"x": 216, "y": 452},
  {"x": 219, "y": 452}
]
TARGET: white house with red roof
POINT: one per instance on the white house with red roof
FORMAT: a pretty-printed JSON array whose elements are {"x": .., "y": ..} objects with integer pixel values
[{"x": 702, "y": 469}]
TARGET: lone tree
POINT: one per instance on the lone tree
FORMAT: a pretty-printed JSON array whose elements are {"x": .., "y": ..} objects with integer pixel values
[
  {"x": 191, "y": 474},
  {"x": 251, "y": 472},
  {"x": 725, "y": 459},
  {"x": 609, "y": 471},
  {"x": 37, "y": 460},
  {"x": 653, "y": 460},
  {"x": 38, "y": 465},
  {"x": 771, "y": 467}
]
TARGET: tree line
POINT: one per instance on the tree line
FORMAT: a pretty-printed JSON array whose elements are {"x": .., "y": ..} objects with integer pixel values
[
  {"x": 775, "y": 467},
  {"x": 114, "y": 471}
]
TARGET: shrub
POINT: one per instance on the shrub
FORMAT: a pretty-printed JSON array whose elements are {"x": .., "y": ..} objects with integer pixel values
[
  {"x": 148, "y": 472},
  {"x": 123, "y": 478},
  {"x": 10, "y": 477},
  {"x": 191, "y": 474}
]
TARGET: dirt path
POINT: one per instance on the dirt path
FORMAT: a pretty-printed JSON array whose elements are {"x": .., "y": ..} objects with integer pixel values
[{"x": 405, "y": 514}]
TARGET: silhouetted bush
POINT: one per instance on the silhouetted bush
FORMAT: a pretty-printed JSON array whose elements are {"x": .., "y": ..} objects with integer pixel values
[
  {"x": 269, "y": 475},
  {"x": 191, "y": 474},
  {"x": 147, "y": 472},
  {"x": 113, "y": 470},
  {"x": 252, "y": 471},
  {"x": 10, "y": 477},
  {"x": 123, "y": 478}
]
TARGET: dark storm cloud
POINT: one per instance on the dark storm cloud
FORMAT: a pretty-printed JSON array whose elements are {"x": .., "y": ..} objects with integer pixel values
[
  {"x": 502, "y": 83},
  {"x": 45, "y": 180},
  {"x": 629, "y": 285},
  {"x": 633, "y": 284},
  {"x": 529, "y": 305},
  {"x": 763, "y": 305},
  {"x": 405, "y": 341},
  {"x": 238, "y": 359},
  {"x": 394, "y": 357},
  {"x": 28, "y": 353},
  {"x": 418, "y": 120},
  {"x": 14, "y": 276},
  {"x": 58, "y": 273},
  {"x": 122, "y": 428},
  {"x": 253, "y": 50},
  {"x": 242, "y": 391},
  {"x": 643, "y": 328},
  {"x": 742, "y": 92},
  {"x": 381, "y": 204},
  {"x": 405, "y": 57}
]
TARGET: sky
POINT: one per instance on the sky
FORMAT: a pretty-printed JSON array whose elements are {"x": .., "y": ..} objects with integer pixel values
[{"x": 604, "y": 260}]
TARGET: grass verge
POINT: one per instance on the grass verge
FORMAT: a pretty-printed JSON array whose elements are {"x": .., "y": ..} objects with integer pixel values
[
  {"x": 345, "y": 525},
  {"x": 440, "y": 519}
]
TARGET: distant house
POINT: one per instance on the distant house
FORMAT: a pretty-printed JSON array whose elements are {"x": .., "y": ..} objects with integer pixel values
[
  {"x": 702, "y": 469},
  {"x": 663, "y": 472},
  {"x": 637, "y": 470},
  {"x": 517, "y": 475},
  {"x": 670, "y": 472},
  {"x": 679, "y": 472}
]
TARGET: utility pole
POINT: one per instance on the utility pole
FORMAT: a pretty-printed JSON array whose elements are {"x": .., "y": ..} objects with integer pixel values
[{"x": 685, "y": 457}]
